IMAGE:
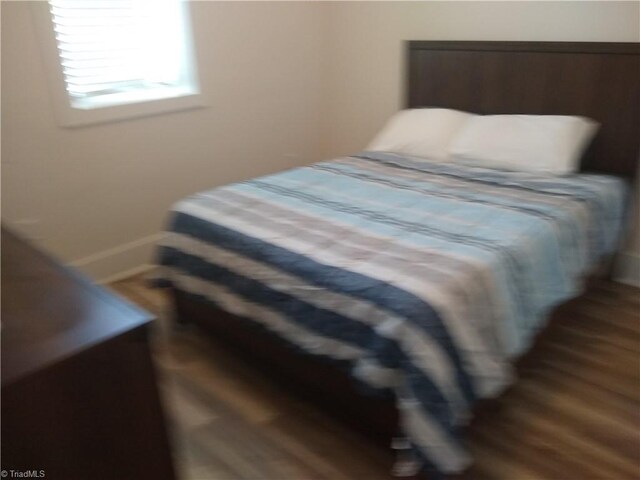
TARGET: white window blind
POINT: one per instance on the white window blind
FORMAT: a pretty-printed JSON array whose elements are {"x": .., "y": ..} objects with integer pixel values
[{"x": 117, "y": 51}]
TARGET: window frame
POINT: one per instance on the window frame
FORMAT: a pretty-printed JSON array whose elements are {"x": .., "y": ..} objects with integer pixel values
[{"x": 129, "y": 106}]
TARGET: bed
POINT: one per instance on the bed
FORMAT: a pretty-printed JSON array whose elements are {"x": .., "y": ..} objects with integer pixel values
[{"x": 397, "y": 291}]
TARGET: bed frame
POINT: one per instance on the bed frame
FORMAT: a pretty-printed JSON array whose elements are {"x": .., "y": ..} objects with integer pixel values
[{"x": 597, "y": 80}]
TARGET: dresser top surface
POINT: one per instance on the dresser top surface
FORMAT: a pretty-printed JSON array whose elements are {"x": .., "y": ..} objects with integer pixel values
[{"x": 50, "y": 312}]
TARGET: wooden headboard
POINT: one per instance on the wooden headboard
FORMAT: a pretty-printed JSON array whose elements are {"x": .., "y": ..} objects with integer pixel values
[{"x": 596, "y": 80}]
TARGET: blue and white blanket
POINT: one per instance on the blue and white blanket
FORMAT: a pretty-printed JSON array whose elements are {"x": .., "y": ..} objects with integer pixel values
[{"x": 427, "y": 278}]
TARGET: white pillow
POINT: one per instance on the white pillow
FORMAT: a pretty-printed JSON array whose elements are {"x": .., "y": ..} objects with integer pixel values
[
  {"x": 423, "y": 132},
  {"x": 536, "y": 143}
]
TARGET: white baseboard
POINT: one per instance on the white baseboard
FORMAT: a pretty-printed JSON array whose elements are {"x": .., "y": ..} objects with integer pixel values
[
  {"x": 627, "y": 268},
  {"x": 119, "y": 262},
  {"x": 126, "y": 274}
]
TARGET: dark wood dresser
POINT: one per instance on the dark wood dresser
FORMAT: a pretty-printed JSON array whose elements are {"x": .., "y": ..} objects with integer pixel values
[{"x": 79, "y": 394}]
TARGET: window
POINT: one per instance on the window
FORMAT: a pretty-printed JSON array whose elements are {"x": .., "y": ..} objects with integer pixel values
[{"x": 118, "y": 59}]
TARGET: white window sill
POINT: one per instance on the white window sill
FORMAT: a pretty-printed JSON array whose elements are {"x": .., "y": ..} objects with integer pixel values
[
  {"x": 127, "y": 105},
  {"x": 133, "y": 96}
]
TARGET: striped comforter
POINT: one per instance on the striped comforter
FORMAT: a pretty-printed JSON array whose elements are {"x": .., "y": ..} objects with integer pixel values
[{"x": 427, "y": 278}]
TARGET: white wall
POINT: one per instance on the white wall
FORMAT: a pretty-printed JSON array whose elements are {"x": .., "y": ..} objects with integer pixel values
[
  {"x": 100, "y": 194},
  {"x": 364, "y": 72}
]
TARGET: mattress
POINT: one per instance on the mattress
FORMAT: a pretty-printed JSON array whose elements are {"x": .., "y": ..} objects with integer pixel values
[{"x": 428, "y": 278}]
